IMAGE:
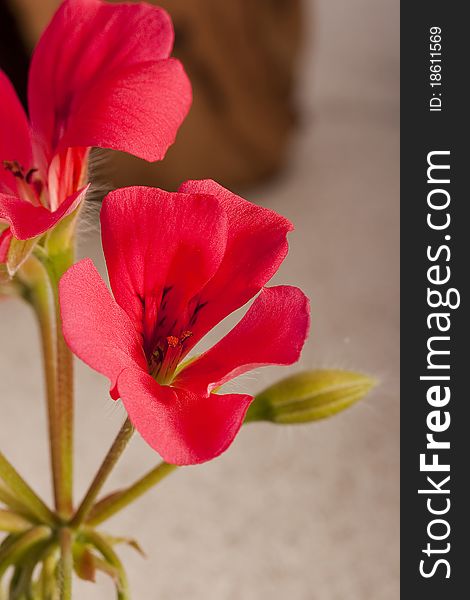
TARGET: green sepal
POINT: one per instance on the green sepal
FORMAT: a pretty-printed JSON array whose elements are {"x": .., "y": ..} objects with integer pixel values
[
  {"x": 59, "y": 245},
  {"x": 131, "y": 542},
  {"x": 61, "y": 235},
  {"x": 18, "y": 253},
  {"x": 108, "y": 562},
  {"x": 20, "y": 546},
  {"x": 84, "y": 562},
  {"x": 12, "y": 522}
]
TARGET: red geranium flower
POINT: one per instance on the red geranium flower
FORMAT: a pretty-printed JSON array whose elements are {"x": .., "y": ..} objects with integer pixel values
[
  {"x": 178, "y": 264},
  {"x": 100, "y": 76}
]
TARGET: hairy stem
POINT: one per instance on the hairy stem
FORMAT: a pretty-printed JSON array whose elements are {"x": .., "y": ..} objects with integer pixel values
[
  {"x": 65, "y": 392},
  {"x": 102, "y": 475},
  {"x": 65, "y": 421},
  {"x": 43, "y": 302},
  {"x": 65, "y": 564},
  {"x": 114, "y": 503},
  {"x": 41, "y": 277}
]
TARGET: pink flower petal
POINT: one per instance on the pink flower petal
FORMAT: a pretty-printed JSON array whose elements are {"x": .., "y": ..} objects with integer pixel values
[
  {"x": 161, "y": 249},
  {"x": 97, "y": 330},
  {"x": 100, "y": 76},
  {"x": 15, "y": 141},
  {"x": 183, "y": 427},
  {"x": 256, "y": 246},
  {"x": 272, "y": 332},
  {"x": 28, "y": 221}
]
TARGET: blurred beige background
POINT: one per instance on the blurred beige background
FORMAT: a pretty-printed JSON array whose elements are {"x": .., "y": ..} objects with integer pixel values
[{"x": 307, "y": 513}]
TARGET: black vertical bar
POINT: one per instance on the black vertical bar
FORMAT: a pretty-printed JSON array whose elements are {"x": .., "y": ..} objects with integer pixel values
[{"x": 424, "y": 131}]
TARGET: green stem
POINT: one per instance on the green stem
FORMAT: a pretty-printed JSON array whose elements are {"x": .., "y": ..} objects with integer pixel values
[
  {"x": 107, "y": 465},
  {"x": 42, "y": 300},
  {"x": 109, "y": 506},
  {"x": 57, "y": 266},
  {"x": 66, "y": 421},
  {"x": 41, "y": 276},
  {"x": 65, "y": 564},
  {"x": 26, "y": 495}
]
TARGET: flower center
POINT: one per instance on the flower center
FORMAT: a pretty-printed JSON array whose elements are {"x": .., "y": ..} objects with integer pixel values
[
  {"x": 29, "y": 184},
  {"x": 168, "y": 322},
  {"x": 166, "y": 357}
]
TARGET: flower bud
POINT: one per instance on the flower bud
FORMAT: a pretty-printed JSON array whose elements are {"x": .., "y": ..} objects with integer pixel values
[{"x": 309, "y": 396}]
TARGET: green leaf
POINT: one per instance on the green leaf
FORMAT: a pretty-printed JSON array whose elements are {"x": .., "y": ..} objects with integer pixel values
[{"x": 309, "y": 396}]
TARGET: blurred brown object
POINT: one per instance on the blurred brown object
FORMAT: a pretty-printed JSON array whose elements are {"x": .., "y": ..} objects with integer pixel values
[{"x": 241, "y": 56}]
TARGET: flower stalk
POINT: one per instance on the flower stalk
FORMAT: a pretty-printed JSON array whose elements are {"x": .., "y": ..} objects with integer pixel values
[
  {"x": 65, "y": 406},
  {"x": 40, "y": 295},
  {"x": 65, "y": 564},
  {"x": 113, "y": 455},
  {"x": 115, "y": 502},
  {"x": 40, "y": 276}
]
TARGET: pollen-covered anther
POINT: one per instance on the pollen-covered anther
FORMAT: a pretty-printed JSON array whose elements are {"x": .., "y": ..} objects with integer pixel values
[
  {"x": 173, "y": 341},
  {"x": 185, "y": 335}
]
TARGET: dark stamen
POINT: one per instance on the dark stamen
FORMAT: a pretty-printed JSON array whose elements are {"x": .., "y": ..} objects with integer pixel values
[
  {"x": 185, "y": 335},
  {"x": 29, "y": 175},
  {"x": 14, "y": 167}
]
